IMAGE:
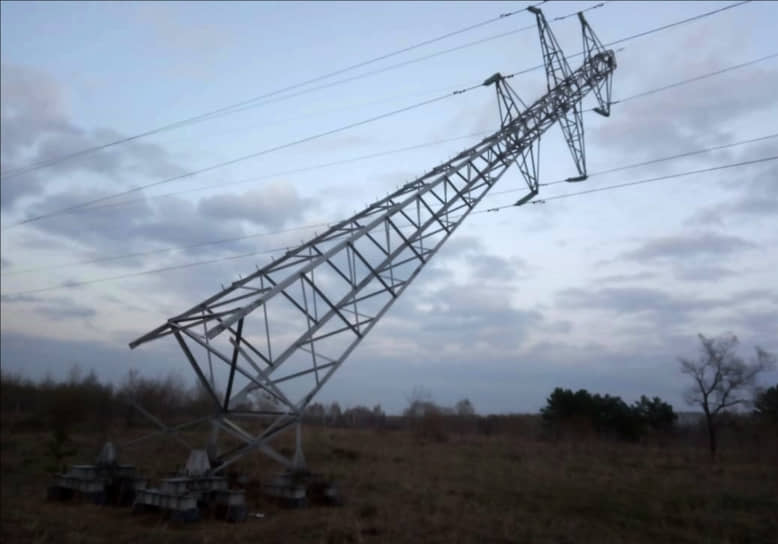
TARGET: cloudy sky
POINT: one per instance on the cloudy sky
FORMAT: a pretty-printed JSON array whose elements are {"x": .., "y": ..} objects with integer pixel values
[{"x": 600, "y": 291}]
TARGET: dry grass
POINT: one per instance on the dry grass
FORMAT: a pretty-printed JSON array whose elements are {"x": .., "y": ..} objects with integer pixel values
[{"x": 469, "y": 488}]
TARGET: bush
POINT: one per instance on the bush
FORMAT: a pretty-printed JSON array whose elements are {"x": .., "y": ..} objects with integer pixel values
[
  {"x": 655, "y": 413},
  {"x": 607, "y": 415},
  {"x": 766, "y": 404}
]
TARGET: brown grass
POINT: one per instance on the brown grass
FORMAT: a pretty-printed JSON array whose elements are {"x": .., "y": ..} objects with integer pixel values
[{"x": 400, "y": 487}]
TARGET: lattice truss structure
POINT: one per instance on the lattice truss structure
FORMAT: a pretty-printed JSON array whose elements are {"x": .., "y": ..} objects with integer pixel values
[{"x": 266, "y": 345}]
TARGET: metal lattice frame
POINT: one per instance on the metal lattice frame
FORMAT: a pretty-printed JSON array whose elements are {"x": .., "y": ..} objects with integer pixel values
[{"x": 283, "y": 331}]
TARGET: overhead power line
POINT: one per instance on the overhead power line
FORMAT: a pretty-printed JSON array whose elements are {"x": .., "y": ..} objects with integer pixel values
[
  {"x": 243, "y": 157},
  {"x": 98, "y": 260},
  {"x": 285, "y": 172},
  {"x": 697, "y": 78},
  {"x": 639, "y": 182},
  {"x": 239, "y": 106},
  {"x": 317, "y": 225},
  {"x": 539, "y": 201},
  {"x": 101, "y": 203},
  {"x": 134, "y": 274},
  {"x": 677, "y": 23}
]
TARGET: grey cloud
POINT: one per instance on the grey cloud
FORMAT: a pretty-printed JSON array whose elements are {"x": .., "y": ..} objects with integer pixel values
[
  {"x": 760, "y": 326},
  {"x": 633, "y": 300},
  {"x": 681, "y": 119},
  {"x": 36, "y": 128},
  {"x": 11, "y": 299},
  {"x": 661, "y": 314},
  {"x": 55, "y": 308},
  {"x": 490, "y": 268},
  {"x": 751, "y": 295},
  {"x": 455, "y": 322},
  {"x": 618, "y": 278},
  {"x": 705, "y": 273},
  {"x": 128, "y": 229},
  {"x": 689, "y": 246},
  {"x": 755, "y": 198},
  {"x": 4, "y": 263},
  {"x": 461, "y": 245},
  {"x": 274, "y": 205},
  {"x": 59, "y": 312}
]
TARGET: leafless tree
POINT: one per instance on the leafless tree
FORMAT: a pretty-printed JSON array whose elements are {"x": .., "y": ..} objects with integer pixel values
[{"x": 721, "y": 379}]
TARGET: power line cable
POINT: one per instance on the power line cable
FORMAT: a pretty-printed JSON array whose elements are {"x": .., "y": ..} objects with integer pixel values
[
  {"x": 676, "y": 23},
  {"x": 414, "y": 60},
  {"x": 346, "y": 127},
  {"x": 639, "y": 182},
  {"x": 133, "y": 274},
  {"x": 315, "y": 225},
  {"x": 697, "y": 78},
  {"x": 539, "y": 201},
  {"x": 239, "y": 106},
  {"x": 243, "y": 157},
  {"x": 652, "y": 161},
  {"x": 407, "y": 148},
  {"x": 287, "y": 172},
  {"x": 167, "y": 249}
]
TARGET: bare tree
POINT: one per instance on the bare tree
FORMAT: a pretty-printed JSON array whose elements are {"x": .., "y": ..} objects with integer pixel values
[{"x": 721, "y": 379}]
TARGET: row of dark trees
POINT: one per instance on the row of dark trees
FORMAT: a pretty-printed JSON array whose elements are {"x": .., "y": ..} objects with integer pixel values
[
  {"x": 82, "y": 399},
  {"x": 334, "y": 415},
  {"x": 606, "y": 414}
]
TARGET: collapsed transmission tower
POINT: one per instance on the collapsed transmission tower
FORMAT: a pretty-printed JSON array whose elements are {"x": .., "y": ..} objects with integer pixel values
[{"x": 280, "y": 333}]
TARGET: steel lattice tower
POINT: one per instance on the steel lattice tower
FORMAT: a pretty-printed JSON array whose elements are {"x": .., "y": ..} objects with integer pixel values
[{"x": 282, "y": 331}]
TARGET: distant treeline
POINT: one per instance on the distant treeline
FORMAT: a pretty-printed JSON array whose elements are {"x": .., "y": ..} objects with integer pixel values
[{"x": 82, "y": 401}]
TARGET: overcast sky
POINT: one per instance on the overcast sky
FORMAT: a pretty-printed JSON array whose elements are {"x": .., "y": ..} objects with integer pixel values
[{"x": 602, "y": 291}]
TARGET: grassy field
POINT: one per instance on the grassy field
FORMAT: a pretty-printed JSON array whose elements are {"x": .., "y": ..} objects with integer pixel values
[{"x": 470, "y": 487}]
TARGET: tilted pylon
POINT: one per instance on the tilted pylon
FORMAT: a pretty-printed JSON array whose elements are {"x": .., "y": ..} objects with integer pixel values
[{"x": 281, "y": 332}]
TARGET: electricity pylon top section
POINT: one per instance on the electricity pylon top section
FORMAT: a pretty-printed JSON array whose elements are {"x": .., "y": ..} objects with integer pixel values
[{"x": 282, "y": 331}]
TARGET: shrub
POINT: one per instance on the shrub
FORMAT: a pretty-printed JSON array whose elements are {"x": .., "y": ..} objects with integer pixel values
[
  {"x": 607, "y": 415},
  {"x": 766, "y": 404}
]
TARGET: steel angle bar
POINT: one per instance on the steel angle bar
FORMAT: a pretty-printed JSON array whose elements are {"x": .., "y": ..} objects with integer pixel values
[
  {"x": 226, "y": 360},
  {"x": 325, "y": 357},
  {"x": 301, "y": 372},
  {"x": 330, "y": 252},
  {"x": 254, "y": 292},
  {"x": 377, "y": 292},
  {"x": 172, "y": 430},
  {"x": 359, "y": 314},
  {"x": 266, "y": 381},
  {"x": 336, "y": 331},
  {"x": 233, "y": 364},
  {"x": 233, "y": 428},
  {"x": 387, "y": 260},
  {"x": 370, "y": 268},
  {"x": 305, "y": 336},
  {"x": 196, "y": 367},
  {"x": 258, "y": 413},
  {"x": 335, "y": 308}
]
